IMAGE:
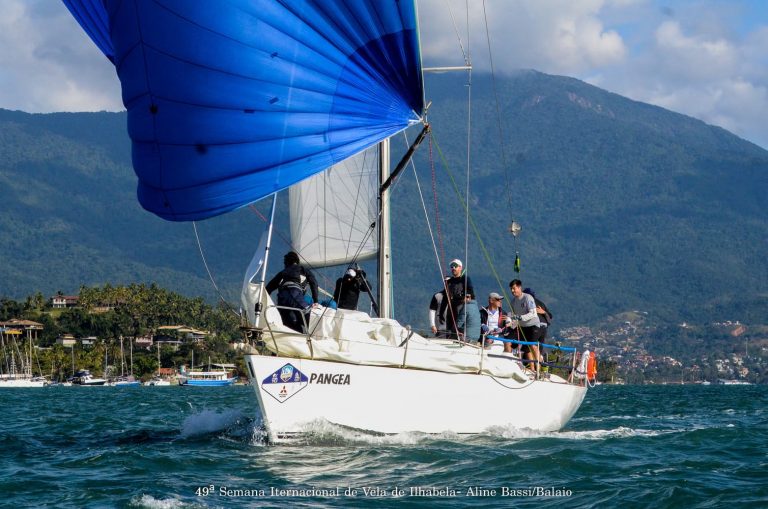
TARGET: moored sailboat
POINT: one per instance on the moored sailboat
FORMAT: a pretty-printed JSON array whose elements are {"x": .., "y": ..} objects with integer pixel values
[{"x": 11, "y": 375}]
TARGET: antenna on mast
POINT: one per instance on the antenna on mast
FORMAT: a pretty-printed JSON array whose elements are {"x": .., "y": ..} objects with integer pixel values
[{"x": 515, "y": 229}]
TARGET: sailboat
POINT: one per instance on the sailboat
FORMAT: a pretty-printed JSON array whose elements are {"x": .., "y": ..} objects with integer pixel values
[
  {"x": 157, "y": 380},
  {"x": 12, "y": 375},
  {"x": 231, "y": 102},
  {"x": 123, "y": 380}
]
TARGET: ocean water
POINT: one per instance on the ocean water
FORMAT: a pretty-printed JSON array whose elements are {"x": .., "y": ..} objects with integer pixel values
[{"x": 174, "y": 447}]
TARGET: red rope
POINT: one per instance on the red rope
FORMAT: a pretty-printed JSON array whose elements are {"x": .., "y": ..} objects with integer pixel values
[{"x": 437, "y": 210}]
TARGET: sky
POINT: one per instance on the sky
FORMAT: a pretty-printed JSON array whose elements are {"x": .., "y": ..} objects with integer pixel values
[{"x": 703, "y": 58}]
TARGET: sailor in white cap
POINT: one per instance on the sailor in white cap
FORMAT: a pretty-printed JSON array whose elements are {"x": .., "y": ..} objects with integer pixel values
[{"x": 456, "y": 286}]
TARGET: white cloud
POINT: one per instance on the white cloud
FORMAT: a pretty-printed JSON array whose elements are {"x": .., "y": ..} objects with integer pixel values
[
  {"x": 558, "y": 36},
  {"x": 693, "y": 57},
  {"x": 704, "y": 58},
  {"x": 48, "y": 63},
  {"x": 701, "y": 68}
]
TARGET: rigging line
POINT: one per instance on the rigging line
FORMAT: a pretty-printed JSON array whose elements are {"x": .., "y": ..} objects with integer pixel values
[
  {"x": 354, "y": 208},
  {"x": 287, "y": 242},
  {"x": 431, "y": 235},
  {"x": 498, "y": 113},
  {"x": 435, "y": 199},
  {"x": 458, "y": 35},
  {"x": 475, "y": 229},
  {"x": 205, "y": 263},
  {"x": 324, "y": 177},
  {"x": 469, "y": 159}
]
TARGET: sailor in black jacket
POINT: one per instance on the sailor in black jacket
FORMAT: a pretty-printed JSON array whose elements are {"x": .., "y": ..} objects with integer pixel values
[{"x": 291, "y": 283}]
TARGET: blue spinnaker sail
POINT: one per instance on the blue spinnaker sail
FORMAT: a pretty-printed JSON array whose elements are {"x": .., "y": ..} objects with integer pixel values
[{"x": 231, "y": 100}]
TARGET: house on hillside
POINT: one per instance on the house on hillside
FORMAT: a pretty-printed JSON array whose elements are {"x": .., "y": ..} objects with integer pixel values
[
  {"x": 143, "y": 341},
  {"x": 182, "y": 332},
  {"x": 67, "y": 340},
  {"x": 28, "y": 328},
  {"x": 88, "y": 341},
  {"x": 64, "y": 301}
]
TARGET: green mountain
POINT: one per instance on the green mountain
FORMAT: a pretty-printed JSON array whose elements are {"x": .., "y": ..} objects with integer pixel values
[{"x": 623, "y": 206}]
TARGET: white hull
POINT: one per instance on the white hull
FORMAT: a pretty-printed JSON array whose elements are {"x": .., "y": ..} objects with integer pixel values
[
  {"x": 394, "y": 400},
  {"x": 22, "y": 382}
]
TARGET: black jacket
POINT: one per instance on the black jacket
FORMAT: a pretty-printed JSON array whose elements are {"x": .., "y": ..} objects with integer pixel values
[
  {"x": 294, "y": 275},
  {"x": 456, "y": 288}
]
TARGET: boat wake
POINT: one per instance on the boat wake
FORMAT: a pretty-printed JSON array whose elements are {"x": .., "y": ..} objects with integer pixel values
[
  {"x": 595, "y": 434},
  {"x": 324, "y": 433}
]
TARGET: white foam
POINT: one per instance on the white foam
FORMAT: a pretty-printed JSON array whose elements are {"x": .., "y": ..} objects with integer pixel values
[
  {"x": 150, "y": 502},
  {"x": 596, "y": 434},
  {"x": 209, "y": 421},
  {"x": 670, "y": 417},
  {"x": 321, "y": 432}
]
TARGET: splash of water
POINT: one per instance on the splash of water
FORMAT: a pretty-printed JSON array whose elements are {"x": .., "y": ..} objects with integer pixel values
[{"x": 209, "y": 421}]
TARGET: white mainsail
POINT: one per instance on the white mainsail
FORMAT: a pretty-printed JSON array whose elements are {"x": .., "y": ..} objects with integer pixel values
[{"x": 332, "y": 212}]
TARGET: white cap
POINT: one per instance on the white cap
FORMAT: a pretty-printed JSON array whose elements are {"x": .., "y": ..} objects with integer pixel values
[
  {"x": 351, "y": 273},
  {"x": 457, "y": 262}
]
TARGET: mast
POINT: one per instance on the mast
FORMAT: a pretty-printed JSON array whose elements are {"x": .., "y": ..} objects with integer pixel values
[
  {"x": 385, "y": 234},
  {"x": 122, "y": 358},
  {"x": 385, "y": 237},
  {"x": 29, "y": 359}
]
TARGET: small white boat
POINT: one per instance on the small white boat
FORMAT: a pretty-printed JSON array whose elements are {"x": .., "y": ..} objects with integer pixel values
[
  {"x": 157, "y": 381},
  {"x": 127, "y": 381},
  {"x": 210, "y": 378},
  {"x": 22, "y": 381},
  {"x": 84, "y": 377}
]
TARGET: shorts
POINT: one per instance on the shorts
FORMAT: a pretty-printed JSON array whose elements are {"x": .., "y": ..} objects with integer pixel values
[{"x": 533, "y": 334}]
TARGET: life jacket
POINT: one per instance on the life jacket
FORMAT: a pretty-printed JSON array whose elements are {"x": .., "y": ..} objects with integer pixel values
[{"x": 592, "y": 367}]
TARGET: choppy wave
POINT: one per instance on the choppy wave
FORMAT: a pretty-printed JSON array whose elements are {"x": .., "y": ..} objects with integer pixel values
[
  {"x": 150, "y": 502},
  {"x": 670, "y": 447}
]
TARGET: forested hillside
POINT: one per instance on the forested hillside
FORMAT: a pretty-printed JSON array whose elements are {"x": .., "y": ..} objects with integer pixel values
[{"x": 623, "y": 206}]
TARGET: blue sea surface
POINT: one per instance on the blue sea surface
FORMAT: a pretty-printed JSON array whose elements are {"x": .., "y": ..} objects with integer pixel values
[{"x": 173, "y": 447}]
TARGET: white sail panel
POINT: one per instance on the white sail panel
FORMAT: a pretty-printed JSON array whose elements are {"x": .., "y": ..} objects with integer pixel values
[{"x": 332, "y": 212}]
